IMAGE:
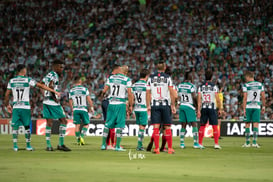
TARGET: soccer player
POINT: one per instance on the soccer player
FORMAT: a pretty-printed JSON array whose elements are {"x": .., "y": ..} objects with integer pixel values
[
  {"x": 207, "y": 99},
  {"x": 159, "y": 89},
  {"x": 118, "y": 84},
  {"x": 253, "y": 94},
  {"x": 78, "y": 98},
  {"x": 187, "y": 113},
  {"x": 105, "y": 102},
  {"x": 52, "y": 108},
  {"x": 140, "y": 108},
  {"x": 19, "y": 86}
]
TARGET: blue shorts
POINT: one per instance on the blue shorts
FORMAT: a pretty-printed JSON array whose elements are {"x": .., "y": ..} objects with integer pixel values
[
  {"x": 161, "y": 115},
  {"x": 209, "y": 115}
]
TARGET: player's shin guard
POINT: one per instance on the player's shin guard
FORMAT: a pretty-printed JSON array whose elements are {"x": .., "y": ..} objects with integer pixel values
[
  {"x": 48, "y": 135},
  {"x": 15, "y": 136},
  {"x": 112, "y": 136},
  {"x": 195, "y": 135},
  {"x": 215, "y": 134},
  {"x": 156, "y": 137},
  {"x": 27, "y": 136},
  {"x": 62, "y": 130},
  {"x": 83, "y": 132},
  {"x": 140, "y": 138},
  {"x": 255, "y": 135},
  {"x": 119, "y": 134},
  {"x": 169, "y": 138},
  {"x": 247, "y": 135},
  {"x": 201, "y": 134},
  {"x": 182, "y": 135},
  {"x": 105, "y": 135}
]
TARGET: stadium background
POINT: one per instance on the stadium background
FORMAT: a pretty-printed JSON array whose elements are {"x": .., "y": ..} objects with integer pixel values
[{"x": 228, "y": 37}]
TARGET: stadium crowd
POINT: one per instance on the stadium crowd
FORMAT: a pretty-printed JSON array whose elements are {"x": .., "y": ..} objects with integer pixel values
[{"x": 228, "y": 37}]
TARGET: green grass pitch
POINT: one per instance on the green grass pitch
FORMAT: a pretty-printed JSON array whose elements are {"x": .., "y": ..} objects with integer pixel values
[{"x": 89, "y": 163}]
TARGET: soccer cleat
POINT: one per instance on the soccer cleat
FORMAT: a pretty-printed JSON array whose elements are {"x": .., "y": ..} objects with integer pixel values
[
  {"x": 171, "y": 151},
  {"x": 182, "y": 145},
  {"x": 255, "y": 145},
  {"x": 103, "y": 147},
  {"x": 15, "y": 148},
  {"x": 149, "y": 147},
  {"x": 82, "y": 141},
  {"x": 120, "y": 149},
  {"x": 110, "y": 147},
  {"x": 197, "y": 146},
  {"x": 156, "y": 151},
  {"x": 140, "y": 149},
  {"x": 216, "y": 146},
  {"x": 78, "y": 141},
  {"x": 246, "y": 145},
  {"x": 201, "y": 146},
  {"x": 29, "y": 149},
  {"x": 49, "y": 149},
  {"x": 63, "y": 148}
]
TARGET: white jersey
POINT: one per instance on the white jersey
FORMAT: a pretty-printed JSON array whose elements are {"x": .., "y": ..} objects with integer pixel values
[
  {"x": 139, "y": 90},
  {"x": 48, "y": 98},
  {"x": 185, "y": 90},
  {"x": 208, "y": 93},
  {"x": 78, "y": 95},
  {"x": 253, "y": 90},
  {"x": 118, "y": 84},
  {"x": 159, "y": 84},
  {"x": 20, "y": 87}
]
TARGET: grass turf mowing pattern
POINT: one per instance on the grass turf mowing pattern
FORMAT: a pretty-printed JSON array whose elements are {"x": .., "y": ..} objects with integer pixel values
[{"x": 89, "y": 163}]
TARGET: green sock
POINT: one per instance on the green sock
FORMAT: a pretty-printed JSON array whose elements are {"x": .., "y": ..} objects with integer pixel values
[
  {"x": 182, "y": 135},
  {"x": 77, "y": 134},
  {"x": 83, "y": 133},
  {"x": 247, "y": 134},
  {"x": 118, "y": 134},
  {"x": 105, "y": 135},
  {"x": 62, "y": 130},
  {"x": 255, "y": 135},
  {"x": 140, "y": 138},
  {"x": 27, "y": 136},
  {"x": 15, "y": 136},
  {"x": 48, "y": 135},
  {"x": 195, "y": 135}
]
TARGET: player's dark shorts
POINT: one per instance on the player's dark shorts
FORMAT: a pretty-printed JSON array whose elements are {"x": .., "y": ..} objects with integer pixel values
[
  {"x": 104, "y": 106},
  {"x": 161, "y": 115},
  {"x": 208, "y": 115}
]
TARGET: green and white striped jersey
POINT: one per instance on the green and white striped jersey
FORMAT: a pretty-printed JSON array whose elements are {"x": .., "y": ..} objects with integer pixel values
[
  {"x": 78, "y": 95},
  {"x": 253, "y": 90},
  {"x": 20, "y": 86},
  {"x": 185, "y": 90},
  {"x": 118, "y": 84},
  {"x": 48, "y": 99},
  {"x": 139, "y": 90}
]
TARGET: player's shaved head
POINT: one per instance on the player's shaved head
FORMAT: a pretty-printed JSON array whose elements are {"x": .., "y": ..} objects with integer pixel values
[{"x": 124, "y": 69}]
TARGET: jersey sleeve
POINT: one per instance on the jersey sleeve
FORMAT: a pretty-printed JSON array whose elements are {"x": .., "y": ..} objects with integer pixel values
[
  {"x": 199, "y": 89},
  {"x": 9, "y": 86},
  {"x": 193, "y": 89},
  {"x": 69, "y": 95},
  {"x": 148, "y": 85},
  {"x": 32, "y": 82},
  {"x": 87, "y": 92},
  {"x": 262, "y": 89},
  {"x": 108, "y": 82},
  {"x": 244, "y": 88},
  {"x": 170, "y": 82},
  {"x": 129, "y": 83}
]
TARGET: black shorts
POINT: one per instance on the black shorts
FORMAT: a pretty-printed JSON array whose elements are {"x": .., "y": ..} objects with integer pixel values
[
  {"x": 161, "y": 115},
  {"x": 104, "y": 106},
  {"x": 208, "y": 115}
]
